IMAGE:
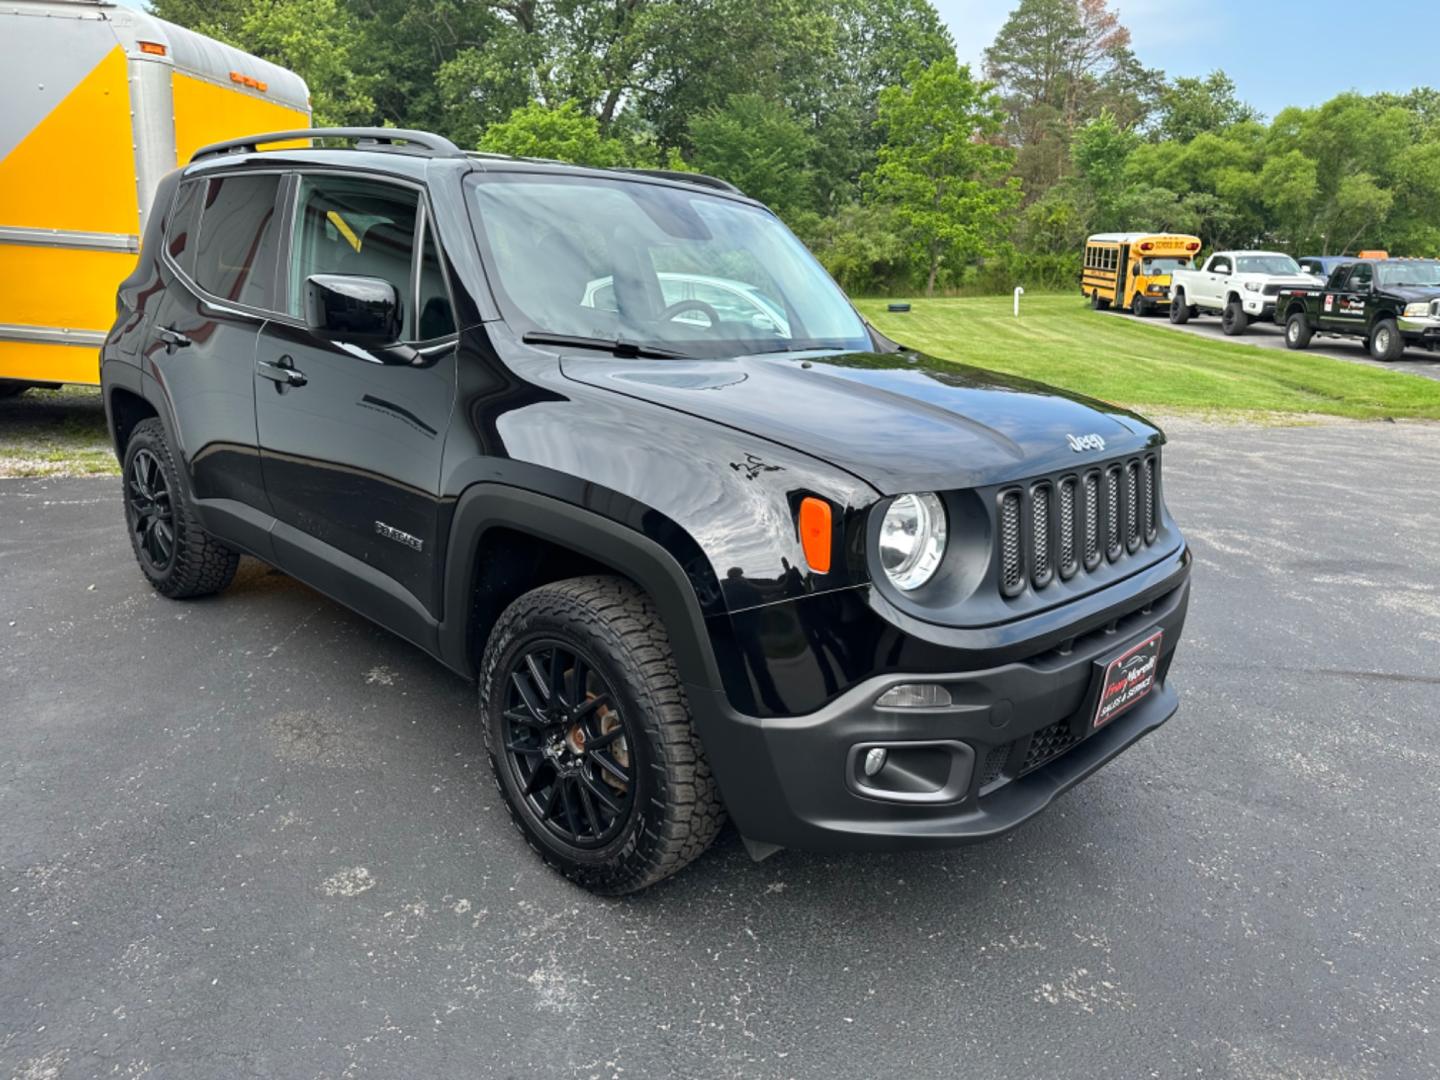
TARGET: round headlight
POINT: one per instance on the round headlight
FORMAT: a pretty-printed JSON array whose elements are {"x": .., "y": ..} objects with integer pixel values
[{"x": 912, "y": 540}]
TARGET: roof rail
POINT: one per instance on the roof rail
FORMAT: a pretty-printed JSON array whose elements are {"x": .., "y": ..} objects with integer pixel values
[
  {"x": 388, "y": 137},
  {"x": 687, "y": 178}
]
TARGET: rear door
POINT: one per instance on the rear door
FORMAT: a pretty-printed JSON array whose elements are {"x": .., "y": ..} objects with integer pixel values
[
  {"x": 220, "y": 266},
  {"x": 351, "y": 441}
]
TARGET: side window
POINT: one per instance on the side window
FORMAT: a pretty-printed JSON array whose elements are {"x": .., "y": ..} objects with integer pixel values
[
  {"x": 436, "y": 318},
  {"x": 1220, "y": 266},
  {"x": 358, "y": 226},
  {"x": 180, "y": 226},
  {"x": 1361, "y": 277},
  {"x": 236, "y": 253}
]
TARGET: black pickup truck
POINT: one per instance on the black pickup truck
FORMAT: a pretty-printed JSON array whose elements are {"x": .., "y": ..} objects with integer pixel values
[{"x": 1389, "y": 303}]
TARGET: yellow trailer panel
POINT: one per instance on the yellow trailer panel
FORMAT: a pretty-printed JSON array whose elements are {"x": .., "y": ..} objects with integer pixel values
[{"x": 102, "y": 101}]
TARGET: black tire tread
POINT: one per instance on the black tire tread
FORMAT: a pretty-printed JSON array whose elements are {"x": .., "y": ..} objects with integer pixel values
[
  {"x": 623, "y": 625},
  {"x": 203, "y": 566}
]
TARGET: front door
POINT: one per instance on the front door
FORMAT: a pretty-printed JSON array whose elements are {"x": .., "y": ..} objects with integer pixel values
[
  {"x": 1344, "y": 302},
  {"x": 351, "y": 438}
]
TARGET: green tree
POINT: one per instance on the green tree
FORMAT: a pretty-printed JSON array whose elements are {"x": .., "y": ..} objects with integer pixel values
[
  {"x": 942, "y": 166},
  {"x": 561, "y": 132},
  {"x": 760, "y": 147},
  {"x": 1190, "y": 106}
]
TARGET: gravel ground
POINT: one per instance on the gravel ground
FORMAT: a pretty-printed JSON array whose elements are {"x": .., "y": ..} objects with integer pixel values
[{"x": 255, "y": 836}]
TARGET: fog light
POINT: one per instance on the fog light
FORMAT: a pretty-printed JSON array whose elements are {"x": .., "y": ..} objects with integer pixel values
[
  {"x": 915, "y": 696},
  {"x": 874, "y": 760}
]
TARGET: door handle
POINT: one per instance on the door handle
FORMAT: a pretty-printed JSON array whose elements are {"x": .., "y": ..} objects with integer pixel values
[
  {"x": 282, "y": 372},
  {"x": 172, "y": 338}
]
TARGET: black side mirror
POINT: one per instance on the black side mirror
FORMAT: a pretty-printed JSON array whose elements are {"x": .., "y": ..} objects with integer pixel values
[{"x": 360, "y": 310}]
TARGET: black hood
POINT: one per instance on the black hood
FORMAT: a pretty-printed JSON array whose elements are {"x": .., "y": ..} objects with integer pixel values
[
  {"x": 1413, "y": 294},
  {"x": 900, "y": 421}
]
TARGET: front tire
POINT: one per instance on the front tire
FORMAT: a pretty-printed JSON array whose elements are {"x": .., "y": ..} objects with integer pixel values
[
  {"x": 1140, "y": 307},
  {"x": 1179, "y": 310},
  {"x": 1234, "y": 321},
  {"x": 590, "y": 738},
  {"x": 1385, "y": 342},
  {"x": 1297, "y": 331},
  {"x": 177, "y": 556}
]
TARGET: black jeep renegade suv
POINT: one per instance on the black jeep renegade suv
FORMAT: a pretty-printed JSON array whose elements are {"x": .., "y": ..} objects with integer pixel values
[{"x": 613, "y": 445}]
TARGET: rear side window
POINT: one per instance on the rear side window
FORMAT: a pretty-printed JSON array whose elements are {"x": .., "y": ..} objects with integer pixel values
[
  {"x": 357, "y": 226},
  {"x": 235, "y": 257},
  {"x": 180, "y": 226}
]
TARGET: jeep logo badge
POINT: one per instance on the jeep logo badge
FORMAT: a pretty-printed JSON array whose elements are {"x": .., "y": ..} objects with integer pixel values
[{"x": 1081, "y": 443}]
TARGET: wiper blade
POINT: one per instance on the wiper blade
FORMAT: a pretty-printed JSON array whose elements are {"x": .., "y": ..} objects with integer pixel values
[{"x": 617, "y": 346}]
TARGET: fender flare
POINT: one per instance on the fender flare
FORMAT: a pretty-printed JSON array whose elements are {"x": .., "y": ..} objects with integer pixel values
[{"x": 483, "y": 506}]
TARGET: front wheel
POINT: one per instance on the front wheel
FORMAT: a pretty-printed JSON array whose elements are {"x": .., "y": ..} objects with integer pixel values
[
  {"x": 1233, "y": 320},
  {"x": 1386, "y": 342},
  {"x": 1179, "y": 310},
  {"x": 590, "y": 738},
  {"x": 1297, "y": 331},
  {"x": 1140, "y": 307}
]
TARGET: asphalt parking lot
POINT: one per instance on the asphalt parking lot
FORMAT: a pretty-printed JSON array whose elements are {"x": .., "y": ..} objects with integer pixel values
[
  {"x": 1269, "y": 336},
  {"x": 255, "y": 836}
]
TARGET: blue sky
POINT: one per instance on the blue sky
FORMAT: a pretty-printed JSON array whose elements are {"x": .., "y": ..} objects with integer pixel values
[{"x": 1301, "y": 55}]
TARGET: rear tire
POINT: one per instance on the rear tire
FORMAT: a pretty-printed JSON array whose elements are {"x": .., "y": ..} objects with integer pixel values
[
  {"x": 9, "y": 389},
  {"x": 177, "y": 556},
  {"x": 1297, "y": 331},
  {"x": 1179, "y": 310},
  {"x": 1385, "y": 342},
  {"x": 1233, "y": 320},
  {"x": 573, "y": 663}
]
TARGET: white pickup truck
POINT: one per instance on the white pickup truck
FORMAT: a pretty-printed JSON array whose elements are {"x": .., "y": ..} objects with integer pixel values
[{"x": 1239, "y": 286}]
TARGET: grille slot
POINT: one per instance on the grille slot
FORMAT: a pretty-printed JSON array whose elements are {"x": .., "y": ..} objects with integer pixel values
[
  {"x": 1067, "y": 561},
  {"x": 1040, "y": 510},
  {"x": 994, "y": 765},
  {"x": 1132, "y": 506},
  {"x": 1092, "y": 520},
  {"x": 1012, "y": 570},
  {"x": 1112, "y": 513},
  {"x": 1058, "y": 526}
]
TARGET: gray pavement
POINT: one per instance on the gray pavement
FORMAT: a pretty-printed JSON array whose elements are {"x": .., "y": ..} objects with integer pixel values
[
  {"x": 255, "y": 836},
  {"x": 1269, "y": 336}
]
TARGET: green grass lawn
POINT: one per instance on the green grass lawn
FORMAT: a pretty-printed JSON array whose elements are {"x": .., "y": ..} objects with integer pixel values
[
  {"x": 1120, "y": 359},
  {"x": 55, "y": 433}
]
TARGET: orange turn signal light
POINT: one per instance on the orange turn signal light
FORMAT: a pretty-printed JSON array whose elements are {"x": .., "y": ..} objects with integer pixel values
[
  {"x": 152, "y": 48},
  {"x": 815, "y": 529}
]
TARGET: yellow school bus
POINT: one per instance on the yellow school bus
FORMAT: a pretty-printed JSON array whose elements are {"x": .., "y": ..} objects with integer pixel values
[
  {"x": 1132, "y": 270},
  {"x": 100, "y": 102}
]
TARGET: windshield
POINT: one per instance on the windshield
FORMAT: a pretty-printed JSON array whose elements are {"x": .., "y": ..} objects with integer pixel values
[
  {"x": 1267, "y": 264},
  {"x": 1422, "y": 273},
  {"x": 656, "y": 265},
  {"x": 1162, "y": 266}
]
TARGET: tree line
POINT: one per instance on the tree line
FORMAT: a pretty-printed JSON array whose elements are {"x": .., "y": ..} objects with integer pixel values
[{"x": 899, "y": 166}]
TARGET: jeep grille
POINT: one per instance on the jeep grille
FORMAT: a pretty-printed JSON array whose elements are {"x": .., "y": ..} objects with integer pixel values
[{"x": 1056, "y": 527}]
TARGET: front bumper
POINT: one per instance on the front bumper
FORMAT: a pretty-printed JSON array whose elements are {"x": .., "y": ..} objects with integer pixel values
[
  {"x": 1425, "y": 328},
  {"x": 1018, "y": 733},
  {"x": 1260, "y": 307}
]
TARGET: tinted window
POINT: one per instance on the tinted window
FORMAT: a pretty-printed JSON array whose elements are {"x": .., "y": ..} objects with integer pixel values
[
  {"x": 235, "y": 258},
  {"x": 353, "y": 225},
  {"x": 433, "y": 302},
  {"x": 180, "y": 227},
  {"x": 1360, "y": 277},
  {"x": 1220, "y": 266}
]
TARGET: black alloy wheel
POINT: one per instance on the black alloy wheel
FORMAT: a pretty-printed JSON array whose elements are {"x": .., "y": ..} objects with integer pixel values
[
  {"x": 567, "y": 745},
  {"x": 150, "y": 511}
]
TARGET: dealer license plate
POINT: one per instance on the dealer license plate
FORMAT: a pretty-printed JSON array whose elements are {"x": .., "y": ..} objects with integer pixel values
[{"x": 1128, "y": 678}]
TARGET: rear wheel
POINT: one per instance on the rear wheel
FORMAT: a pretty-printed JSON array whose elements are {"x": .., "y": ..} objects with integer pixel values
[
  {"x": 1179, "y": 310},
  {"x": 178, "y": 557},
  {"x": 590, "y": 738},
  {"x": 1233, "y": 320},
  {"x": 1386, "y": 342},
  {"x": 13, "y": 389},
  {"x": 1297, "y": 331}
]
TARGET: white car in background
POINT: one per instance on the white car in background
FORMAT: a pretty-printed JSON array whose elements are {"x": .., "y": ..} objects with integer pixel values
[{"x": 1239, "y": 286}]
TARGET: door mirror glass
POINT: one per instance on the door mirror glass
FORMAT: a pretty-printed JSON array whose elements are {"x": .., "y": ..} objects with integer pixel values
[{"x": 360, "y": 310}]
